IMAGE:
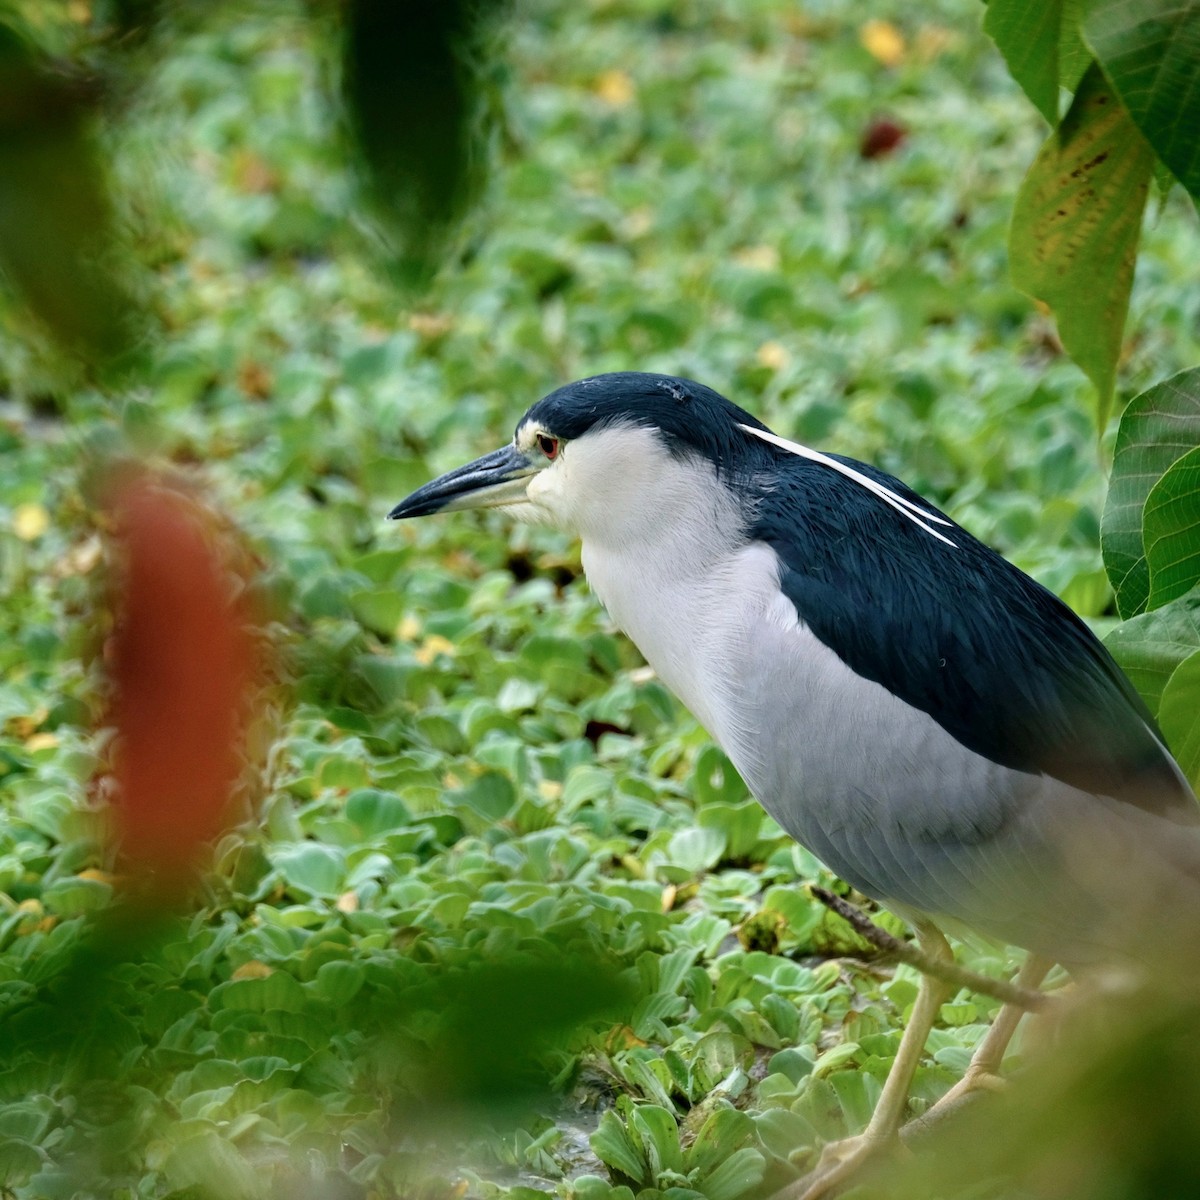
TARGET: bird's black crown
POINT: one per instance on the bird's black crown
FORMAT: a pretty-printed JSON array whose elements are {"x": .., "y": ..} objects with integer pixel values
[{"x": 692, "y": 418}]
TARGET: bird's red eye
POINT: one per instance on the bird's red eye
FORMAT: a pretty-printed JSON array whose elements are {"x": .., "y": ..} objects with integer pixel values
[{"x": 548, "y": 445}]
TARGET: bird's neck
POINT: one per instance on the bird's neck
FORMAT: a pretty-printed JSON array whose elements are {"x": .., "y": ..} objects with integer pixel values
[{"x": 661, "y": 586}]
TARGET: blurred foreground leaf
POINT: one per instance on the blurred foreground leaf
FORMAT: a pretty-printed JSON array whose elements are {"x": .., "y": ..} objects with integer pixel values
[
  {"x": 58, "y": 244},
  {"x": 1178, "y": 716},
  {"x": 1109, "y": 1111},
  {"x": 412, "y": 78},
  {"x": 182, "y": 667}
]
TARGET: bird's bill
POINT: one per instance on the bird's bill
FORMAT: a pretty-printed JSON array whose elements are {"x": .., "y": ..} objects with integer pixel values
[{"x": 495, "y": 480}]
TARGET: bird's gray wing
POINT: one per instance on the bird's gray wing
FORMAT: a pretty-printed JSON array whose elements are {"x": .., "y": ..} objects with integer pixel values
[{"x": 958, "y": 633}]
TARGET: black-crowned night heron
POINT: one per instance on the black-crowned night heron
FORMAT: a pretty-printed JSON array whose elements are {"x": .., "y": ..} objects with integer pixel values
[{"x": 937, "y": 727}]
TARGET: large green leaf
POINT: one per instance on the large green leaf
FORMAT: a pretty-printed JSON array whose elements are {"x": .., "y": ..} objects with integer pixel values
[
  {"x": 1179, "y": 716},
  {"x": 1171, "y": 531},
  {"x": 613, "y": 1147},
  {"x": 1158, "y": 428},
  {"x": 1150, "y": 52},
  {"x": 1076, "y": 225},
  {"x": 1040, "y": 42},
  {"x": 1026, "y": 32},
  {"x": 1150, "y": 647}
]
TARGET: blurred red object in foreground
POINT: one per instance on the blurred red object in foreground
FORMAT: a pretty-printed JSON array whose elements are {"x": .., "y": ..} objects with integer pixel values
[
  {"x": 181, "y": 661},
  {"x": 881, "y": 136}
]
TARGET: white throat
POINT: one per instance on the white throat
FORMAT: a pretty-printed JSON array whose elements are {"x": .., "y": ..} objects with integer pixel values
[{"x": 660, "y": 537}]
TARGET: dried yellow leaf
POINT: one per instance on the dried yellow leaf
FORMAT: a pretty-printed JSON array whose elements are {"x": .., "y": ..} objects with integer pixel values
[
  {"x": 615, "y": 88},
  {"x": 758, "y": 258},
  {"x": 252, "y": 970},
  {"x": 409, "y": 629},
  {"x": 30, "y": 521},
  {"x": 347, "y": 902},
  {"x": 773, "y": 355},
  {"x": 41, "y": 741},
  {"x": 431, "y": 325},
  {"x": 883, "y": 41},
  {"x": 934, "y": 40},
  {"x": 431, "y": 647}
]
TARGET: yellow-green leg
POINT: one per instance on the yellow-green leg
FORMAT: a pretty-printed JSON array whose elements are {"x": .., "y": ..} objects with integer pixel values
[
  {"x": 840, "y": 1161},
  {"x": 983, "y": 1071}
]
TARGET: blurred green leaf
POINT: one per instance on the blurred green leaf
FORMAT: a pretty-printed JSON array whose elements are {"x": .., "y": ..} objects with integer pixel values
[
  {"x": 1179, "y": 716},
  {"x": 414, "y": 94},
  {"x": 1027, "y": 33},
  {"x": 59, "y": 246}
]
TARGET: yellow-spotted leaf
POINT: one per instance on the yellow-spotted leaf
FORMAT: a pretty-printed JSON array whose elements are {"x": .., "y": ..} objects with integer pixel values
[{"x": 1076, "y": 224}]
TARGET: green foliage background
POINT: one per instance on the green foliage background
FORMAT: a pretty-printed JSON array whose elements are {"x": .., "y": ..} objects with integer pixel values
[{"x": 472, "y": 782}]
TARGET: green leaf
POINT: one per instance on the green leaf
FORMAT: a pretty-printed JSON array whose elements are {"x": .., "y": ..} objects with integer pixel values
[
  {"x": 1171, "y": 531},
  {"x": 696, "y": 849},
  {"x": 312, "y": 868},
  {"x": 718, "y": 1138},
  {"x": 277, "y": 992},
  {"x": 614, "y": 1148},
  {"x": 1158, "y": 428},
  {"x": 716, "y": 1055},
  {"x": 1150, "y": 647},
  {"x": 716, "y": 779},
  {"x": 740, "y": 1173},
  {"x": 1076, "y": 224},
  {"x": 1150, "y": 52},
  {"x": 18, "y": 1161},
  {"x": 376, "y": 812},
  {"x": 658, "y": 1133},
  {"x": 339, "y": 982},
  {"x": 1179, "y": 716},
  {"x": 1026, "y": 33},
  {"x": 380, "y": 611}
]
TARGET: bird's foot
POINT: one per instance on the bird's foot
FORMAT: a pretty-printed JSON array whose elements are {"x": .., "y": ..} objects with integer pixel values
[
  {"x": 976, "y": 1079},
  {"x": 839, "y": 1165}
]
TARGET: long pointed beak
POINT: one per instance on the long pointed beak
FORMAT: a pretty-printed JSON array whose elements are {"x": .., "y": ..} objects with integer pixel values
[{"x": 495, "y": 479}]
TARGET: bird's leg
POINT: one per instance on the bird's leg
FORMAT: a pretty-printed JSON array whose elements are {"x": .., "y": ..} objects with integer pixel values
[
  {"x": 841, "y": 1160},
  {"x": 983, "y": 1071}
]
